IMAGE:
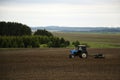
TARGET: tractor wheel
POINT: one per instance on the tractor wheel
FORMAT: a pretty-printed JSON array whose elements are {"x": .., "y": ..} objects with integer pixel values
[
  {"x": 71, "y": 56},
  {"x": 83, "y": 55}
]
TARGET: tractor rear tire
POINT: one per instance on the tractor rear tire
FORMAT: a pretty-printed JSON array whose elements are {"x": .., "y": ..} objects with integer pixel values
[{"x": 84, "y": 55}]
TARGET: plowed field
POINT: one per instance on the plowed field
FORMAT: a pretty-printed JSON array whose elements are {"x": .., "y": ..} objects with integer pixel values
[{"x": 54, "y": 64}]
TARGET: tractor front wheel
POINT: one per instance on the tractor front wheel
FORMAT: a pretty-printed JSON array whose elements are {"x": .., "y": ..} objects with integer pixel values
[{"x": 71, "y": 56}]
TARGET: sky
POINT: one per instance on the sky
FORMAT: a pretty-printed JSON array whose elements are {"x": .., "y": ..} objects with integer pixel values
[{"x": 67, "y": 13}]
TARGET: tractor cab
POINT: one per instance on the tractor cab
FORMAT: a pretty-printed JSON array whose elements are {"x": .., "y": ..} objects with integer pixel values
[
  {"x": 80, "y": 51},
  {"x": 82, "y": 48}
]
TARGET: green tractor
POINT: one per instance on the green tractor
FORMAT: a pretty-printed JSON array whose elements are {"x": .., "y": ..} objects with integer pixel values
[{"x": 80, "y": 51}]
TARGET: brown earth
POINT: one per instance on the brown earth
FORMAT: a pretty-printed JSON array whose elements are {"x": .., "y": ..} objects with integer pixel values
[{"x": 54, "y": 64}]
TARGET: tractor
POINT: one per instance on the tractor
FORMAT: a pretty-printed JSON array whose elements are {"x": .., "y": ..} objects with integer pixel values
[{"x": 80, "y": 51}]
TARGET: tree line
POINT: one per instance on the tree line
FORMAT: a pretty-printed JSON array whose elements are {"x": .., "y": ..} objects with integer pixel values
[
  {"x": 31, "y": 41},
  {"x": 17, "y": 35}
]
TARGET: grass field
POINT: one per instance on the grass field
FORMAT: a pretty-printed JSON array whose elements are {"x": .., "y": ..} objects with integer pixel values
[
  {"x": 54, "y": 64},
  {"x": 94, "y": 40}
]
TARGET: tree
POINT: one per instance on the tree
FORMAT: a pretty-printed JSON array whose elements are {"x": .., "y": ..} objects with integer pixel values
[
  {"x": 50, "y": 44},
  {"x": 35, "y": 42},
  {"x": 4, "y": 43},
  {"x": 64, "y": 43},
  {"x": 43, "y": 33},
  {"x": 20, "y": 42},
  {"x": 76, "y": 43},
  {"x": 14, "y": 29},
  {"x": 62, "y": 40},
  {"x": 67, "y": 43}
]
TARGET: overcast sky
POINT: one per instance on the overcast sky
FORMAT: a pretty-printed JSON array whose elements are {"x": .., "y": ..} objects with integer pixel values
[{"x": 74, "y": 13}]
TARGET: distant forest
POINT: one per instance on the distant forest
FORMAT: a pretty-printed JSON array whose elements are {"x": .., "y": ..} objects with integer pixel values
[
  {"x": 17, "y": 35},
  {"x": 78, "y": 29}
]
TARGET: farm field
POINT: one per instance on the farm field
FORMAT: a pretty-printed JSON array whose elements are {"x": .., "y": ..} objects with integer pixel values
[
  {"x": 54, "y": 64},
  {"x": 94, "y": 40}
]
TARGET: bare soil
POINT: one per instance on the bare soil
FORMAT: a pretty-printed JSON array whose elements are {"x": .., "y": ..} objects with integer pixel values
[{"x": 54, "y": 64}]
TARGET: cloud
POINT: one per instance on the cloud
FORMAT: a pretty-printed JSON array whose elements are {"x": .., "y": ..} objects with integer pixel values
[
  {"x": 81, "y": 2},
  {"x": 61, "y": 12}
]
